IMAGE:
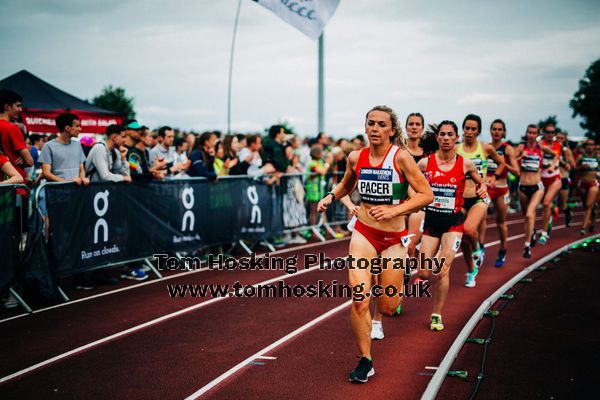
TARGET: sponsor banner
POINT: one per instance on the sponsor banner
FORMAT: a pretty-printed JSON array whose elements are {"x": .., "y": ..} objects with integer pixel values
[
  {"x": 43, "y": 121},
  {"x": 115, "y": 222},
  {"x": 9, "y": 244}
]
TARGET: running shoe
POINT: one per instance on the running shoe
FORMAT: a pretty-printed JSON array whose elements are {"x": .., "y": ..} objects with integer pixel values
[
  {"x": 436, "y": 323},
  {"x": 470, "y": 282},
  {"x": 398, "y": 310},
  {"x": 477, "y": 257},
  {"x": 482, "y": 250},
  {"x": 533, "y": 239},
  {"x": 376, "y": 330},
  {"x": 550, "y": 225},
  {"x": 568, "y": 216},
  {"x": 544, "y": 238},
  {"x": 135, "y": 274},
  {"x": 10, "y": 302},
  {"x": 582, "y": 231},
  {"x": 501, "y": 258},
  {"x": 362, "y": 372},
  {"x": 527, "y": 252}
]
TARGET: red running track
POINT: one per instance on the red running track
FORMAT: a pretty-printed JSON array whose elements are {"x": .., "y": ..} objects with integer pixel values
[{"x": 180, "y": 355}]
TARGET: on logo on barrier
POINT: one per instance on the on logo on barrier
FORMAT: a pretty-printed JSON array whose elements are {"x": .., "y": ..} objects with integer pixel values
[
  {"x": 187, "y": 199},
  {"x": 255, "y": 216},
  {"x": 101, "y": 198}
]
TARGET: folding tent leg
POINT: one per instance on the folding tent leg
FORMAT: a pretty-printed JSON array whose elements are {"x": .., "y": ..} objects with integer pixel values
[
  {"x": 153, "y": 268},
  {"x": 20, "y": 300}
]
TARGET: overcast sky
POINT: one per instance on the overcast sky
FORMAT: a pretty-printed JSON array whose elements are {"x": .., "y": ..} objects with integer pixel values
[{"x": 516, "y": 60}]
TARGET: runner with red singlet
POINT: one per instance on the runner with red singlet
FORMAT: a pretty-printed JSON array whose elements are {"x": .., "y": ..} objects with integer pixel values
[
  {"x": 498, "y": 188},
  {"x": 446, "y": 173},
  {"x": 531, "y": 190},
  {"x": 550, "y": 179}
]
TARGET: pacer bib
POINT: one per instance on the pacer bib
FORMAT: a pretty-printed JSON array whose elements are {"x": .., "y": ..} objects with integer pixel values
[{"x": 381, "y": 184}]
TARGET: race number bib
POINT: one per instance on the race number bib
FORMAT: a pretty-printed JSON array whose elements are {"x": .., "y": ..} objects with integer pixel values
[
  {"x": 375, "y": 186},
  {"x": 444, "y": 199},
  {"x": 456, "y": 244}
]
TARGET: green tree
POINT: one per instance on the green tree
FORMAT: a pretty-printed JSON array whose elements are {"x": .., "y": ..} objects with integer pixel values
[
  {"x": 115, "y": 99},
  {"x": 586, "y": 101},
  {"x": 550, "y": 119}
]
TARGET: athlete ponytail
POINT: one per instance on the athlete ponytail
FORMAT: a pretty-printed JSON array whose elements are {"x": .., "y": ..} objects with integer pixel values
[{"x": 428, "y": 141}]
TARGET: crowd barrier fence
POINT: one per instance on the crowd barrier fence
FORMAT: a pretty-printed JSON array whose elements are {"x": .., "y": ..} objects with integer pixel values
[{"x": 108, "y": 224}]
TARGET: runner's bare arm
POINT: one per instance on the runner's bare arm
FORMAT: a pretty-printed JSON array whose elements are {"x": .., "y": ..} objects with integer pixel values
[
  {"x": 570, "y": 159},
  {"x": 346, "y": 185},
  {"x": 512, "y": 165},
  {"x": 415, "y": 178},
  {"x": 471, "y": 170},
  {"x": 555, "y": 158},
  {"x": 493, "y": 154}
]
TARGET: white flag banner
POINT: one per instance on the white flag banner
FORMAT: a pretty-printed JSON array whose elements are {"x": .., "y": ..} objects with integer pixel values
[{"x": 308, "y": 16}]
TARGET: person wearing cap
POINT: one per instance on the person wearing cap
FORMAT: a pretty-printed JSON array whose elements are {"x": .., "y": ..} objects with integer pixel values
[{"x": 138, "y": 155}]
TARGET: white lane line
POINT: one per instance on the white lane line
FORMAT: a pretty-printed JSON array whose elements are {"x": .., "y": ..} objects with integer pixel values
[
  {"x": 267, "y": 349},
  {"x": 267, "y": 358},
  {"x": 521, "y": 221},
  {"x": 140, "y": 327},
  {"x": 138, "y": 285},
  {"x": 170, "y": 316},
  {"x": 272, "y": 346}
]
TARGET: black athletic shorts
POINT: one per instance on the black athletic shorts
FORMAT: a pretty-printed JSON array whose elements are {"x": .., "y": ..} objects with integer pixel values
[
  {"x": 436, "y": 224},
  {"x": 470, "y": 202},
  {"x": 529, "y": 190}
]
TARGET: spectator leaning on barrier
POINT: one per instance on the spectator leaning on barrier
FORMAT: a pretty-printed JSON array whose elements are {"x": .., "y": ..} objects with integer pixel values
[
  {"x": 164, "y": 149},
  {"x": 11, "y": 137},
  {"x": 63, "y": 160},
  {"x": 203, "y": 157},
  {"x": 10, "y": 176},
  {"x": 181, "y": 157},
  {"x": 251, "y": 155},
  {"x": 231, "y": 147},
  {"x": 107, "y": 160},
  {"x": 315, "y": 181},
  {"x": 223, "y": 163},
  {"x": 273, "y": 148},
  {"x": 138, "y": 155}
]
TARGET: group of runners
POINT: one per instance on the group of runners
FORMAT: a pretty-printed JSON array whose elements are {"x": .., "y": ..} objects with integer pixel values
[{"x": 430, "y": 192}]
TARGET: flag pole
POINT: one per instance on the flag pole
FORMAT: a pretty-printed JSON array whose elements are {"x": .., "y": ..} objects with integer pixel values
[
  {"x": 237, "y": 18},
  {"x": 321, "y": 93}
]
